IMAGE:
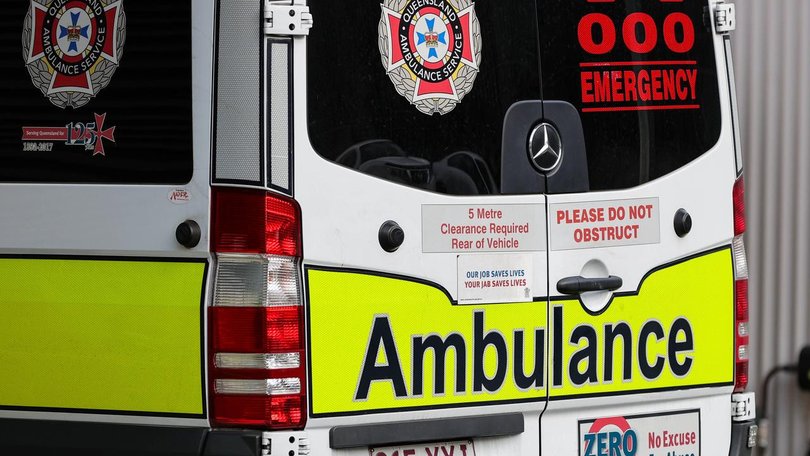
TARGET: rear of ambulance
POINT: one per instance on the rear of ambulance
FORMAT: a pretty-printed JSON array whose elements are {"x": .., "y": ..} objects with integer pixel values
[
  {"x": 384, "y": 228},
  {"x": 489, "y": 228}
]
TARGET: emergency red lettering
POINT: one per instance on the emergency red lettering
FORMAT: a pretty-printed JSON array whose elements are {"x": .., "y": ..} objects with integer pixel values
[
  {"x": 601, "y": 88},
  {"x": 587, "y": 87},
  {"x": 649, "y": 84},
  {"x": 674, "y": 85},
  {"x": 631, "y": 94},
  {"x": 616, "y": 83}
]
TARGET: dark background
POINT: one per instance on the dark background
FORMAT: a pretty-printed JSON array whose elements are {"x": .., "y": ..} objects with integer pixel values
[
  {"x": 148, "y": 101},
  {"x": 351, "y": 98}
]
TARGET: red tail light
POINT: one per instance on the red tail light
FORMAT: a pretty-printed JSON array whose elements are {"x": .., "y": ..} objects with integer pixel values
[
  {"x": 739, "y": 207},
  {"x": 257, "y": 359},
  {"x": 741, "y": 337},
  {"x": 250, "y": 221}
]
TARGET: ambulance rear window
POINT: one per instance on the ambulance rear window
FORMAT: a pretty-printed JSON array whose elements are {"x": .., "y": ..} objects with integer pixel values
[
  {"x": 96, "y": 92},
  {"x": 415, "y": 91},
  {"x": 642, "y": 74}
]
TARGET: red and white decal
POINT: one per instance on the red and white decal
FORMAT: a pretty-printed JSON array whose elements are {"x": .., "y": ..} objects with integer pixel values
[
  {"x": 666, "y": 434},
  {"x": 482, "y": 228},
  {"x": 604, "y": 224},
  {"x": 73, "y": 47},
  {"x": 431, "y": 50},
  {"x": 659, "y": 75},
  {"x": 90, "y": 135}
]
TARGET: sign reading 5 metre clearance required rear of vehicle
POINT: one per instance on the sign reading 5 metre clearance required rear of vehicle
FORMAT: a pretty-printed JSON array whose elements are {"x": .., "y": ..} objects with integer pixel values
[{"x": 483, "y": 228}]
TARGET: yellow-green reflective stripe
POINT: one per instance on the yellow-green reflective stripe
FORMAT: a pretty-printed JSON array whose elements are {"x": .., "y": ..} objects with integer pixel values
[{"x": 101, "y": 335}]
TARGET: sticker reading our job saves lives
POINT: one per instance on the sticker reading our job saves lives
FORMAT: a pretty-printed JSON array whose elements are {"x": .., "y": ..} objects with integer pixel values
[
  {"x": 605, "y": 224},
  {"x": 483, "y": 228},
  {"x": 495, "y": 278}
]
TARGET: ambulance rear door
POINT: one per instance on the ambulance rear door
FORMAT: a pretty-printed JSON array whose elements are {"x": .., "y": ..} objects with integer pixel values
[
  {"x": 641, "y": 275},
  {"x": 426, "y": 286},
  {"x": 104, "y": 160}
]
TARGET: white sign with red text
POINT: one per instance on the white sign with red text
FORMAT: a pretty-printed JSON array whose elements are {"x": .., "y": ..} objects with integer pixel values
[
  {"x": 483, "y": 228},
  {"x": 495, "y": 278},
  {"x": 605, "y": 224},
  {"x": 665, "y": 434}
]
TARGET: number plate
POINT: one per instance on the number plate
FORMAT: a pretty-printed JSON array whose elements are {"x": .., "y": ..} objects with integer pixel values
[{"x": 459, "y": 448}]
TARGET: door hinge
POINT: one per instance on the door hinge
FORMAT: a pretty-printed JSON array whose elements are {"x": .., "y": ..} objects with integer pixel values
[
  {"x": 725, "y": 18},
  {"x": 286, "y": 19},
  {"x": 743, "y": 407}
]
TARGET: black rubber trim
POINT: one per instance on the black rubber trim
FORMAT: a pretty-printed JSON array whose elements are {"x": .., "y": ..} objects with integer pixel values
[
  {"x": 577, "y": 285},
  {"x": 233, "y": 442},
  {"x": 368, "y": 435},
  {"x": 739, "y": 439},
  {"x": 37, "y": 437}
]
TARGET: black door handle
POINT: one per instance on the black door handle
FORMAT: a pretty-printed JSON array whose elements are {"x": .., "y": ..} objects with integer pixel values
[{"x": 577, "y": 285}]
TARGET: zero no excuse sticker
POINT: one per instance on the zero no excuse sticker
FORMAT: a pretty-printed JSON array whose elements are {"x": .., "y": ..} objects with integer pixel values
[
  {"x": 666, "y": 434},
  {"x": 431, "y": 50}
]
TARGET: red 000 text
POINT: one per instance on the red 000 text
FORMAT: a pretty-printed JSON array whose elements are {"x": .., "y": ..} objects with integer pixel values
[{"x": 630, "y": 27}]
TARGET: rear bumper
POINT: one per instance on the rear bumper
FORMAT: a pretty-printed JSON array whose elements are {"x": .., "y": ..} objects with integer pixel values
[
  {"x": 740, "y": 433},
  {"x": 37, "y": 437}
]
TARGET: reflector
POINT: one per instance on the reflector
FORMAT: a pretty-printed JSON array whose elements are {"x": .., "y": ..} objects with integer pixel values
[{"x": 738, "y": 196}]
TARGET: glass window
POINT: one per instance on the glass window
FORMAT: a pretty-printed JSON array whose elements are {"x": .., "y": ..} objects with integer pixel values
[
  {"x": 96, "y": 92},
  {"x": 415, "y": 91},
  {"x": 642, "y": 74}
]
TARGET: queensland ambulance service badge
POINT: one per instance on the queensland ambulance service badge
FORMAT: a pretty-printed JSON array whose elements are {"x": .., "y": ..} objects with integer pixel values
[
  {"x": 73, "y": 47},
  {"x": 431, "y": 50}
]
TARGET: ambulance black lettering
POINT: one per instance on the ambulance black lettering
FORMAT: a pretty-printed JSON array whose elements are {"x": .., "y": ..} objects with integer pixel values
[
  {"x": 481, "y": 341},
  {"x": 391, "y": 371},
  {"x": 650, "y": 371},
  {"x": 582, "y": 365},
  {"x": 381, "y": 338},
  {"x": 587, "y": 354},
  {"x": 535, "y": 378},
  {"x": 676, "y": 347},
  {"x": 611, "y": 333},
  {"x": 439, "y": 348}
]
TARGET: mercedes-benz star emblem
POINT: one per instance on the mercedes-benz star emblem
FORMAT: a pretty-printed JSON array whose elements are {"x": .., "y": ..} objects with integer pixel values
[{"x": 545, "y": 147}]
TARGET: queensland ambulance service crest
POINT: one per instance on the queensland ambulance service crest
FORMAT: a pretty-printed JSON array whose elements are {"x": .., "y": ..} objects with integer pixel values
[
  {"x": 73, "y": 47},
  {"x": 431, "y": 50}
]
